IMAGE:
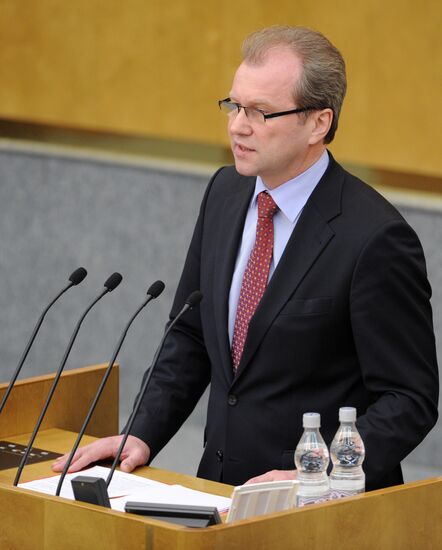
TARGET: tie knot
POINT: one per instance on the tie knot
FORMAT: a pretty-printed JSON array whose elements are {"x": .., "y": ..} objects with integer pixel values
[{"x": 267, "y": 207}]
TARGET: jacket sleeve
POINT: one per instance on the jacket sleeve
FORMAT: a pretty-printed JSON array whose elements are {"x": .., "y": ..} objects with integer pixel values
[{"x": 393, "y": 332}]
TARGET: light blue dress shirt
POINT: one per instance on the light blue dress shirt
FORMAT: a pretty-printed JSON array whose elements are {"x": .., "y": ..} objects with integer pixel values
[{"x": 290, "y": 198}]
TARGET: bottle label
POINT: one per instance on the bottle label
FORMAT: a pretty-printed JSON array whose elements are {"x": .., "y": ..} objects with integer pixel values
[
  {"x": 350, "y": 453},
  {"x": 305, "y": 501},
  {"x": 314, "y": 460},
  {"x": 335, "y": 494}
]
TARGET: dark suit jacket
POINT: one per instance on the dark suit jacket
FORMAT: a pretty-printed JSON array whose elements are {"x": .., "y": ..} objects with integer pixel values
[{"x": 344, "y": 321}]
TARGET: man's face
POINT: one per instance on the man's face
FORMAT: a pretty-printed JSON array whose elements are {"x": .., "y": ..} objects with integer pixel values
[{"x": 279, "y": 148}]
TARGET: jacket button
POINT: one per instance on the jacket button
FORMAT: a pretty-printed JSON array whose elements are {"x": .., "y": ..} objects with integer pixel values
[
  {"x": 232, "y": 400},
  {"x": 219, "y": 455}
]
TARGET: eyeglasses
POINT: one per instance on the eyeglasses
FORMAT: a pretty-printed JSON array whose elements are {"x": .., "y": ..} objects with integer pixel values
[{"x": 232, "y": 109}]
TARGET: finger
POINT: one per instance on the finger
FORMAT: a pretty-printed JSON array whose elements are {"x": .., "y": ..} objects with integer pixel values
[
  {"x": 59, "y": 463},
  {"x": 93, "y": 452},
  {"x": 273, "y": 475},
  {"x": 128, "y": 465},
  {"x": 257, "y": 479},
  {"x": 135, "y": 454},
  {"x": 80, "y": 463}
]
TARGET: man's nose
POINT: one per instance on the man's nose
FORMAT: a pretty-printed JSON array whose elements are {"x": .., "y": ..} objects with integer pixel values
[{"x": 240, "y": 124}]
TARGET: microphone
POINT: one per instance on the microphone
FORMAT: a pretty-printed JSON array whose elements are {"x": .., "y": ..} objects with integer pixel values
[
  {"x": 94, "y": 489},
  {"x": 111, "y": 283},
  {"x": 153, "y": 292},
  {"x": 75, "y": 279},
  {"x": 193, "y": 300},
  {"x": 77, "y": 276}
]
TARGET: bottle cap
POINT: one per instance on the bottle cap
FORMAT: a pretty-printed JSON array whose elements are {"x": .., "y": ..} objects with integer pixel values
[
  {"x": 311, "y": 420},
  {"x": 347, "y": 414}
]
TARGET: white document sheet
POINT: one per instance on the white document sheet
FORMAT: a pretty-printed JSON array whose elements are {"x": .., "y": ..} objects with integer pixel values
[
  {"x": 125, "y": 487},
  {"x": 121, "y": 484}
]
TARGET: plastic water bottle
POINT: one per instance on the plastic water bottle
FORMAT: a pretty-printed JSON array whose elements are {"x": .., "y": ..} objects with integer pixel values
[
  {"x": 347, "y": 453},
  {"x": 311, "y": 459}
]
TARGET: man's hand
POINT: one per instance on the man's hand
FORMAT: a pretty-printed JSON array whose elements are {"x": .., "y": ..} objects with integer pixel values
[
  {"x": 135, "y": 453},
  {"x": 273, "y": 475}
]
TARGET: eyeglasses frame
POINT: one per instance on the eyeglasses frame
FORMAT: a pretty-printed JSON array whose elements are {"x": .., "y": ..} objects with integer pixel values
[{"x": 227, "y": 101}]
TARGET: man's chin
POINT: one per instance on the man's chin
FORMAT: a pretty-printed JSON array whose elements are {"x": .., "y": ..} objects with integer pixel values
[{"x": 244, "y": 169}]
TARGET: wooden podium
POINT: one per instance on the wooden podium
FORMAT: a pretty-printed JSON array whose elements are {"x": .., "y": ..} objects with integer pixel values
[{"x": 403, "y": 517}]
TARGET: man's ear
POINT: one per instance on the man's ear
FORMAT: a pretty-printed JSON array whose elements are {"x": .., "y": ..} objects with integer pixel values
[{"x": 322, "y": 121}]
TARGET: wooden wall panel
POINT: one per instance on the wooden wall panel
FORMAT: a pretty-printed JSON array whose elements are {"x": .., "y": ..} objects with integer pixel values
[
  {"x": 70, "y": 404},
  {"x": 145, "y": 67}
]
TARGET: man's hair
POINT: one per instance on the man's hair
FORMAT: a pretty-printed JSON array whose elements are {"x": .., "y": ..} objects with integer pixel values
[{"x": 322, "y": 83}]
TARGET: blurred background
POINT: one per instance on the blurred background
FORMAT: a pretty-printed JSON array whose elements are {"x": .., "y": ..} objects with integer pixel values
[{"x": 109, "y": 131}]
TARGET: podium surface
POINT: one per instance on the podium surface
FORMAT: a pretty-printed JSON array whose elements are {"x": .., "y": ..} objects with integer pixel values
[{"x": 402, "y": 517}]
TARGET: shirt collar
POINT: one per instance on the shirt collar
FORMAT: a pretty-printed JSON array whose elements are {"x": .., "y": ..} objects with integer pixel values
[{"x": 292, "y": 195}]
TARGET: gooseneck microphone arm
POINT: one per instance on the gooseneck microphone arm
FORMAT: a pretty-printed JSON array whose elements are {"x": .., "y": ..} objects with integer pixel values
[
  {"x": 153, "y": 292},
  {"x": 111, "y": 283},
  {"x": 76, "y": 277},
  {"x": 193, "y": 300}
]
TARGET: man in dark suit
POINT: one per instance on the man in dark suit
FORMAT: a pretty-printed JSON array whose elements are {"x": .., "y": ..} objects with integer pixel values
[{"x": 315, "y": 290}]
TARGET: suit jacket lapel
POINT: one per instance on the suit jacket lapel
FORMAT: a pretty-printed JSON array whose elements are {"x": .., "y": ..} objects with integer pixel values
[
  {"x": 233, "y": 213},
  {"x": 309, "y": 238}
]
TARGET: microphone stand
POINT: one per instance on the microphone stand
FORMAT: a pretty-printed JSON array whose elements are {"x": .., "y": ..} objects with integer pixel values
[
  {"x": 94, "y": 489},
  {"x": 111, "y": 283},
  {"x": 152, "y": 293}
]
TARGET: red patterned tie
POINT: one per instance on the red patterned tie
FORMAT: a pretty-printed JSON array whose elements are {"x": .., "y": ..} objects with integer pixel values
[{"x": 255, "y": 276}]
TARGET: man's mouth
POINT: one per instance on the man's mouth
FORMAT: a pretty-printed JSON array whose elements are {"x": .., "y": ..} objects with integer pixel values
[{"x": 243, "y": 148}]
